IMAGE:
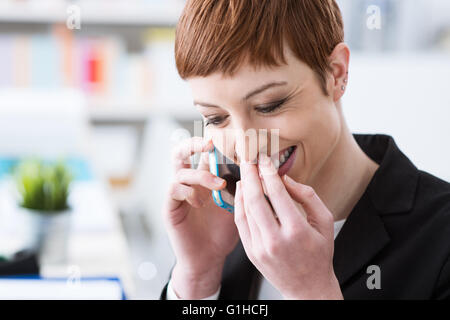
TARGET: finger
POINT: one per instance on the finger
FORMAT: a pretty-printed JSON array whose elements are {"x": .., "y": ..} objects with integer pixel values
[
  {"x": 204, "y": 162},
  {"x": 280, "y": 199},
  {"x": 200, "y": 177},
  {"x": 255, "y": 233},
  {"x": 179, "y": 193},
  {"x": 182, "y": 152},
  {"x": 254, "y": 199},
  {"x": 240, "y": 219},
  {"x": 317, "y": 212},
  {"x": 252, "y": 226}
]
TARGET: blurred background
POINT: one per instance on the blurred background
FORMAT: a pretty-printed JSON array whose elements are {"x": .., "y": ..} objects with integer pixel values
[{"x": 93, "y": 83}]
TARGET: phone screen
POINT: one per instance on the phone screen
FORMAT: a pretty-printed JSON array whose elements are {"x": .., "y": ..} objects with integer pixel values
[{"x": 230, "y": 172}]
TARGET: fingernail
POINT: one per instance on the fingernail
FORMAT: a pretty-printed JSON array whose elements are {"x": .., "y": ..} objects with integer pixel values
[
  {"x": 264, "y": 159},
  {"x": 218, "y": 180},
  {"x": 265, "y": 165},
  {"x": 206, "y": 142}
]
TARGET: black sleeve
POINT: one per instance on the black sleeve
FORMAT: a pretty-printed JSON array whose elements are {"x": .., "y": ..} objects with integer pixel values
[
  {"x": 442, "y": 290},
  {"x": 163, "y": 295}
]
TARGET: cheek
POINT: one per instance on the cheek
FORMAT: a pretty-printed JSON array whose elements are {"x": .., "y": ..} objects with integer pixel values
[
  {"x": 322, "y": 134},
  {"x": 315, "y": 131},
  {"x": 297, "y": 125}
]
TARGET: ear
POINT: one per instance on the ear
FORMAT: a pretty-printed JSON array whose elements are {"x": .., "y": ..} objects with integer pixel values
[{"x": 339, "y": 62}]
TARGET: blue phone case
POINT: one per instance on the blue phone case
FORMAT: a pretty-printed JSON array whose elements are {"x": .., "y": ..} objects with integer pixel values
[{"x": 216, "y": 194}]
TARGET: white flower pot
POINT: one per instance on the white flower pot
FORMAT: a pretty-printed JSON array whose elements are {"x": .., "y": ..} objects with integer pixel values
[{"x": 47, "y": 233}]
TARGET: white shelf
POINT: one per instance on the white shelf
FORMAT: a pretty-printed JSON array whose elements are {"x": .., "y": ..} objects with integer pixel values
[
  {"x": 137, "y": 112},
  {"x": 120, "y": 109},
  {"x": 93, "y": 12}
]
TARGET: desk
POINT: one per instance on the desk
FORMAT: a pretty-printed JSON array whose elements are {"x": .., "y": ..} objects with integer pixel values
[{"x": 97, "y": 244}]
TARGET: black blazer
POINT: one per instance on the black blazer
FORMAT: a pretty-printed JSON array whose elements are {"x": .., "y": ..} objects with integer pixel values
[{"x": 401, "y": 224}]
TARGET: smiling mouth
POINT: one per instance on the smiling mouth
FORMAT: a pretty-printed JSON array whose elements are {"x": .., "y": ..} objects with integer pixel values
[{"x": 284, "y": 159}]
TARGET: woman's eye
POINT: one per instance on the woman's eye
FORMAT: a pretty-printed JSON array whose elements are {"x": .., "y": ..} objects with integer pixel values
[
  {"x": 215, "y": 121},
  {"x": 270, "y": 108}
]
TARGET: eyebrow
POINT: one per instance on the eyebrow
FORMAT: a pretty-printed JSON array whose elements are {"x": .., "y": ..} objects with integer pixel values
[{"x": 248, "y": 95}]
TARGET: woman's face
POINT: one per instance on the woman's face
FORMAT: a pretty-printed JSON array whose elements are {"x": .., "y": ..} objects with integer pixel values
[{"x": 288, "y": 98}]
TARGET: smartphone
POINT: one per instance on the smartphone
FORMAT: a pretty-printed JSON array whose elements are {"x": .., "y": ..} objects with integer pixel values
[{"x": 225, "y": 168}]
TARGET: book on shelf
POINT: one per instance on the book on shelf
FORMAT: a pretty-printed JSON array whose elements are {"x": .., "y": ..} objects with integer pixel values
[{"x": 99, "y": 66}]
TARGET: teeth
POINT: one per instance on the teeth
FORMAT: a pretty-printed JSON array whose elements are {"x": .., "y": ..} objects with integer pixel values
[
  {"x": 276, "y": 163},
  {"x": 279, "y": 159},
  {"x": 286, "y": 155}
]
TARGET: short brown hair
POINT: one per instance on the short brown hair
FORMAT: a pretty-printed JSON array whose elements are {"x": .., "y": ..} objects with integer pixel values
[{"x": 217, "y": 35}]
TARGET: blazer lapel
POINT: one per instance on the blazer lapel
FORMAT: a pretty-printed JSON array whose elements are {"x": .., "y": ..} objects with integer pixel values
[
  {"x": 240, "y": 276},
  {"x": 360, "y": 239}
]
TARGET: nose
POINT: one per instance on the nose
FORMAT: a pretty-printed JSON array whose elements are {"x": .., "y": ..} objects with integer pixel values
[
  {"x": 242, "y": 138},
  {"x": 249, "y": 142}
]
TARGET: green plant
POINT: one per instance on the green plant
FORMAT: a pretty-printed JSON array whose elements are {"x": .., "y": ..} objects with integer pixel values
[{"x": 42, "y": 185}]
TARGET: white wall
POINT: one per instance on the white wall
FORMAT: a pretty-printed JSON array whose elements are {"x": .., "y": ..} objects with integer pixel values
[
  {"x": 43, "y": 122},
  {"x": 408, "y": 97}
]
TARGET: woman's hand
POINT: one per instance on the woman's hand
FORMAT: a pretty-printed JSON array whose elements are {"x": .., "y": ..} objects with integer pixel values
[
  {"x": 291, "y": 245},
  {"x": 201, "y": 233}
]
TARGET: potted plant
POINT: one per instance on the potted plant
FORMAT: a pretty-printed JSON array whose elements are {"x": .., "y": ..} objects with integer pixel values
[{"x": 44, "y": 189}]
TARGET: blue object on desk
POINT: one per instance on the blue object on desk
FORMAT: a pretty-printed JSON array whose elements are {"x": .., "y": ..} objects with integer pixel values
[{"x": 79, "y": 167}]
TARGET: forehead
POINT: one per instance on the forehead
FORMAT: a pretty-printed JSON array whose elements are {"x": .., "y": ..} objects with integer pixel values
[{"x": 248, "y": 77}]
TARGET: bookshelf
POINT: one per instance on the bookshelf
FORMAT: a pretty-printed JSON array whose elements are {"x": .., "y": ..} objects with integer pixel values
[
  {"x": 107, "y": 29},
  {"x": 121, "y": 59}
]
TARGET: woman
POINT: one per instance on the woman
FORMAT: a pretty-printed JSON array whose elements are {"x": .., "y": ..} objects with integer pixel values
[{"x": 266, "y": 64}]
